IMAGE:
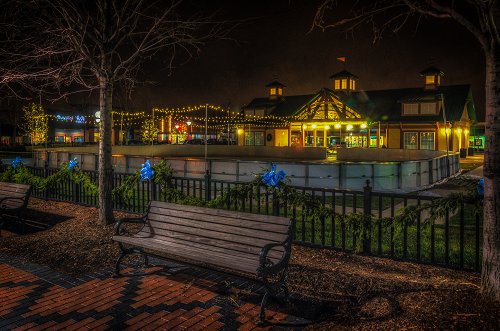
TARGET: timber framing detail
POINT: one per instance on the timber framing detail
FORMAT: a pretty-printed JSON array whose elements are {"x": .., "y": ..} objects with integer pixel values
[{"x": 326, "y": 107}]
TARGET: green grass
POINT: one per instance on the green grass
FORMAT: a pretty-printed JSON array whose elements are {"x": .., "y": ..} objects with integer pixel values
[{"x": 469, "y": 166}]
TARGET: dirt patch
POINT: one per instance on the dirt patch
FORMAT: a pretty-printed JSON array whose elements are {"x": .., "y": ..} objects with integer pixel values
[{"x": 357, "y": 293}]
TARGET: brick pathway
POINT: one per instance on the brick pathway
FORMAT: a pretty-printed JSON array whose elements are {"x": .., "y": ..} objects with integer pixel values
[{"x": 164, "y": 297}]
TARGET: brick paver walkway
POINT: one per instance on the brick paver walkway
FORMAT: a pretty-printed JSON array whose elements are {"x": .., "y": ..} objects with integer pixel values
[{"x": 163, "y": 297}]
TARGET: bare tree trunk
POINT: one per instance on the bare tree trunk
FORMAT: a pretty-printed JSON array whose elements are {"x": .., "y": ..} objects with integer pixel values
[
  {"x": 490, "y": 276},
  {"x": 105, "y": 166}
]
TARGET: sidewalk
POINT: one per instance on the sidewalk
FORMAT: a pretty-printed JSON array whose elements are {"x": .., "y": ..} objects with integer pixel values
[{"x": 34, "y": 297}]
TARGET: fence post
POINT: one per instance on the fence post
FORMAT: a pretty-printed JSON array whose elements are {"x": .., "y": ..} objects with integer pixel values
[
  {"x": 276, "y": 206},
  {"x": 153, "y": 189},
  {"x": 367, "y": 210},
  {"x": 207, "y": 186},
  {"x": 45, "y": 175}
]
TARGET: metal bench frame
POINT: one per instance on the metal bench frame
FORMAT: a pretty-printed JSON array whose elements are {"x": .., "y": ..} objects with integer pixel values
[
  {"x": 5, "y": 209},
  {"x": 265, "y": 270}
]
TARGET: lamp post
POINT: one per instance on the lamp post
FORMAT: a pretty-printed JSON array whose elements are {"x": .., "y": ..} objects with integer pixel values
[{"x": 189, "y": 127}]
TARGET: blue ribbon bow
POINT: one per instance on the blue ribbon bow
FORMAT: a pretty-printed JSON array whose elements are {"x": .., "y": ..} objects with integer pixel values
[
  {"x": 480, "y": 187},
  {"x": 272, "y": 178},
  {"x": 146, "y": 171},
  {"x": 73, "y": 164},
  {"x": 17, "y": 162}
]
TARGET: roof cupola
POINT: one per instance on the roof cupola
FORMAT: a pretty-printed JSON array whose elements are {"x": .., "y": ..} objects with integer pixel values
[
  {"x": 344, "y": 81},
  {"x": 432, "y": 78},
  {"x": 275, "y": 90}
]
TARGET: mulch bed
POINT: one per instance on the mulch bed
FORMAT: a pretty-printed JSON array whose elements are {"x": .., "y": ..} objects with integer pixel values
[{"x": 356, "y": 292}]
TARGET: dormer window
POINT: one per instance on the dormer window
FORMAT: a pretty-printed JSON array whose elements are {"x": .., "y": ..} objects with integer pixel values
[
  {"x": 273, "y": 91},
  {"x": 429, "y": 80},
  {"x": 344, "y": 84},
  {"x": 337, "y": 84},
  {"x": 424, "y": 108}
]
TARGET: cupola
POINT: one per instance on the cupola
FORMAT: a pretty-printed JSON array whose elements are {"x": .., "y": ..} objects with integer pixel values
[
  {"x": 344, "y": 81},
  {"x": 275, "y": 90},
  {"x": 432, "y": 78}
]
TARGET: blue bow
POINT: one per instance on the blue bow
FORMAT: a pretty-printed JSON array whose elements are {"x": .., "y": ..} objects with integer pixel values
[
  {"x": 272, "y": 178},
  {"x": 16, "y": 162},
  {"x": 146, "y": 171},
  {"x": 73, "y": 164},
  {"x": 480, "y": 187}
]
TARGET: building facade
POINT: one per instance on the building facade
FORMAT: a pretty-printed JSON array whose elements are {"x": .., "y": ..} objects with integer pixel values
[{"x": 430, "y": 117}]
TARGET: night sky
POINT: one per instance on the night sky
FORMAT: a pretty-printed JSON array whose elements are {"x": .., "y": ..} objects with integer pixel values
[{"x": 280, "y": 43}]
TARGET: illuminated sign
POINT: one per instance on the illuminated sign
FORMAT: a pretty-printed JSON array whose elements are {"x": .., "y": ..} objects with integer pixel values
[
  {"x": 97, "y": 116},
  {"x": 478, "y": 142},
  {"x": 78, "y": 118}
]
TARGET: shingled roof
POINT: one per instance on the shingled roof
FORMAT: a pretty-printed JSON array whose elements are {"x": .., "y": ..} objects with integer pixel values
[{"x": 381, "y": 105}]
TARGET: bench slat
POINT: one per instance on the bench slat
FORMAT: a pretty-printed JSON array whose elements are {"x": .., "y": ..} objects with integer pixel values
[
  {"x": 223, "y": 260},
  {"x": 201, "y": 241},
  {"x": 167, "y": 229},
  {"x": 221, "y": 212},
  {"x": 232, "y": 221},
  {"x": 274, "y": 237}
]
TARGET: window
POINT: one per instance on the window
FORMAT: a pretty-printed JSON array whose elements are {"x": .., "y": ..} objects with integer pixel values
[
  {"x": 429, "y": 79},
  {"x": 439, "y": 79},
  {"x": 273, "y": 91},
  {"x": 249, "y": 114},
  {"x": 259, "y": 138},
  {"x": 337, "y": 84},
  {"x": 352, "y": 84},
  {"x": 427, "y": 140},
  {"x": 344, "y": 84},
  {"x": 411, "y": 140},
  {"x": 280, "y": 91},
  {"x": 249, "y": 138},
  {"x": 428, "y": 108},
  {"x": 410, "y": 108},
  {"x": 259, "y": 113}
]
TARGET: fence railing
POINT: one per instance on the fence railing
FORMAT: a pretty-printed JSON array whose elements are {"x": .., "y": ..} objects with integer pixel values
[{"x": 454, "y": 241}]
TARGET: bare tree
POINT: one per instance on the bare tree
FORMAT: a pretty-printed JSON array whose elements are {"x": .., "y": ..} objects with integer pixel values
[
  {"x": 74, "y": 45},
  {"x": 12, "y": 115},
  {"x": 480, "y": 17}
]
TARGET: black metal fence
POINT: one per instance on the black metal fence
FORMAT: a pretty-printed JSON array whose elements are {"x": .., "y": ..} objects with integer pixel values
[{"x": 454, "y": 241}]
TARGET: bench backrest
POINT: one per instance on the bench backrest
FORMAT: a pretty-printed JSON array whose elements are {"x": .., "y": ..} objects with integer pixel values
[
  {"x": 241, "y": 234},
  {"x": 13, "y": 190}
]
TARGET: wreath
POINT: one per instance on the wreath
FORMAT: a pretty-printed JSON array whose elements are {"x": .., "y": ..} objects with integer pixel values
[{"x": 269, "y": 137}]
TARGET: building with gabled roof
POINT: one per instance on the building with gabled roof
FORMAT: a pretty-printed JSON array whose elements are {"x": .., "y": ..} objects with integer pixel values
[{"x": 409, "y": 118}]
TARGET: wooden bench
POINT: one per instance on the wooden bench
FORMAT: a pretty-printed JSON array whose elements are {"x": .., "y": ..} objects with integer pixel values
[
  {"x": 13, "y": 199},
  {"x": 255, "y": 244}
]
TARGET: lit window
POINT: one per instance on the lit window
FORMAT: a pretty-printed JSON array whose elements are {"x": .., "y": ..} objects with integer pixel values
[
  {"x": 344, "y": 84},
  {"x": 411, "y": 140},
  {"x": 429, "y": 79},
  {"x": 353, "y": 84},
  {"x": 439, "y": 79},
  {"x": 259, "y": 113},
  {"x": 428, "y": 108},
  {"x": 427, "y": 140},
  {"x": 280, "y": 91},
  {"x": 273, "y": 91},
  {"x": 259, "y": 138},
  {"x": 410, "y": 108},
  {"x": 249, "y": 138},
  {"x": 337, "y": 84}
]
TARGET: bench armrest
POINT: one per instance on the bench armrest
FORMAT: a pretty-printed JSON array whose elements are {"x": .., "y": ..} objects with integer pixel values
[
  {"x": 267, "y": 267},
  {"x": 139, "y": 220}
]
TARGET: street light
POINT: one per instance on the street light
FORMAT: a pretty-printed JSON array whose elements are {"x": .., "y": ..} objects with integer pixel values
[{"x": 189, "y": 126}]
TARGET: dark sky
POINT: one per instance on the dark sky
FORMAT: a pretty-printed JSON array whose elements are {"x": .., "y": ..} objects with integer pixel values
[{"x": 281, "y": 43}]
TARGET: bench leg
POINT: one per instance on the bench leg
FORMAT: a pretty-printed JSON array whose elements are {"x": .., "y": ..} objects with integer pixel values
[
  {"x": 117, "y": 267},
  {"x": 262, "y": 315},
  {"x": 146, "y": 260}
]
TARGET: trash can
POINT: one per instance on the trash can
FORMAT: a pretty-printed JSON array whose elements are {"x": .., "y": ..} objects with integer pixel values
[
  {"x": 471, "y": 151},
  {"x": 463, "y": 153}
]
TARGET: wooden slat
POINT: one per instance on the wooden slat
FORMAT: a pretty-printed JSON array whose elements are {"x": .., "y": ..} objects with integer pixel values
[
  {"x": 275, "y": 237},
  {"x": 200, "y": 241},
  {"x": 12, "y": 194},
  {"x": 232, "y": 262},
  {"x": 203, "y": 233},
  {"x": 221, "y": 212},
  {"x": 231, "y": 221},
  {"x": 14, "y": 185},
  {"x": 204, "y": 250}
]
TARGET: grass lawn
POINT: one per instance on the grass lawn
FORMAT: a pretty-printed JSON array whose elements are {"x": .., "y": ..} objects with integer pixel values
[{"x": 469, "y": 166}]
